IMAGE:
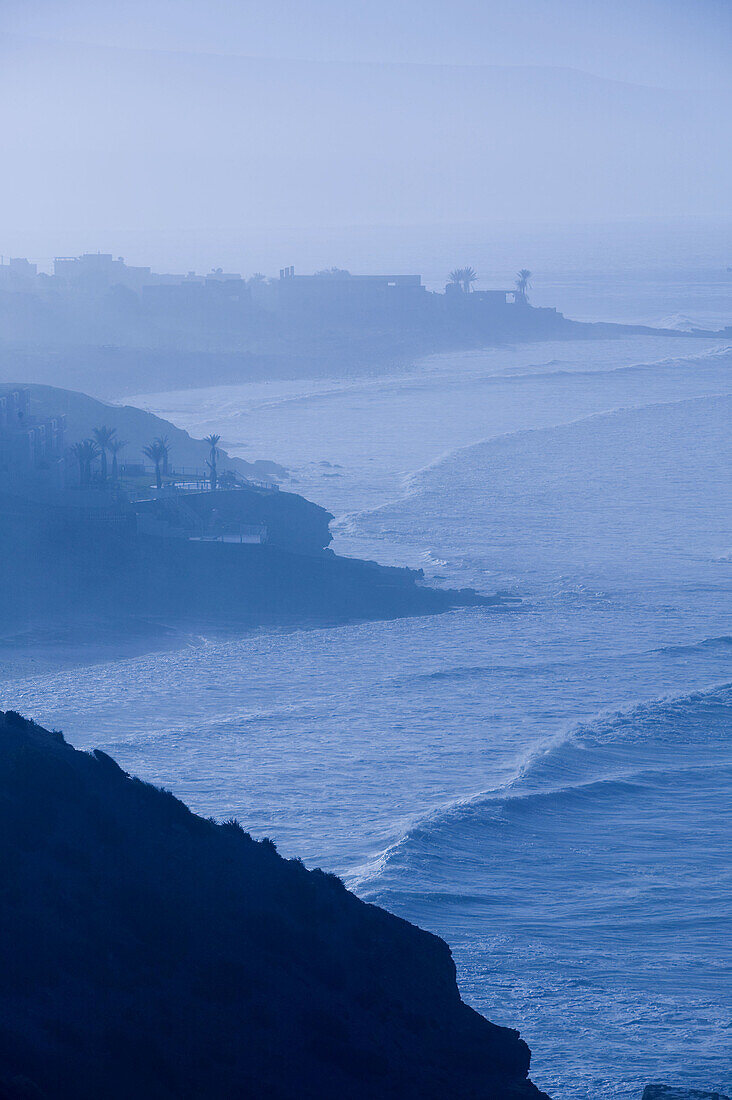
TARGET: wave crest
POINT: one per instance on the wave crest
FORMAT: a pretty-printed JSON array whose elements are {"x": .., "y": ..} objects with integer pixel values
[{"x": 613, "y": 752}]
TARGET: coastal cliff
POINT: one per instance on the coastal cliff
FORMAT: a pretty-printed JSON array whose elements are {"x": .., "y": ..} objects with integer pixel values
[
  {"x": 148, "y": 952},
  {"x": 76, "y": 556},
  {"x": 80, "y": 546},
  {"x": 58, "y": 569}
]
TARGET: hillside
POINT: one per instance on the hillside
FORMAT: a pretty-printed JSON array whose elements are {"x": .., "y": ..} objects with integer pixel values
[
  {"x": 148, "y": 952},
  {"x": 84, "y": 413}
]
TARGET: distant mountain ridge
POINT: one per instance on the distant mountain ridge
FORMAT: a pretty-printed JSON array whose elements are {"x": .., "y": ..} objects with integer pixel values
[{"x": 293, "y": 142}]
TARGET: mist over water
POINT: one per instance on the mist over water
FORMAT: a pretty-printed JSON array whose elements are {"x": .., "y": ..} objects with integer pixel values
[
  {"x": 543, "y": 786},
  {"x": 668, "y": 272},
  {"x": 544, "y": 783}
]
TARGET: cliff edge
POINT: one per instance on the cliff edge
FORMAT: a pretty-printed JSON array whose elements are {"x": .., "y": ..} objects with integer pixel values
[{"x": 147, "y": 952}]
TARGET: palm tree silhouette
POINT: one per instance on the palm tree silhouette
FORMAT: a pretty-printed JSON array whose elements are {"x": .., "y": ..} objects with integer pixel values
[
  {"x": 464, "y": 277},
  {"x": 469, "y": 276},
  {"x": 522, "y": 281},
  {"x": 163, "y": 441},
  {"x": 85, "y": 452},
  {"x": 213, "y": 442},
  {"x": 104, "y": 437},
  {"x": 115, "y": 446},
  {"x": 77, "y": 451},
  {"x": 154, "y": 451}
]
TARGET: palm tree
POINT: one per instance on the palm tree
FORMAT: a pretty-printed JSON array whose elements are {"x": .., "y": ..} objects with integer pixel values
[
  {"x": 213, "y": 442},
  {"x": 104, "y": 437},
  {"x": 115, "y": 446},
  {"x": 77, "y": 451},
  {"x": 165, "y": 446},
  {"x": 522, "y": 281},
  {"x": 469, "y": 276},
  {"x": 85, "y": 452},
  {"x": 91, "y": 452},
  {"x": 464, "y": 277},
  {"x": 154, "y": 451}
]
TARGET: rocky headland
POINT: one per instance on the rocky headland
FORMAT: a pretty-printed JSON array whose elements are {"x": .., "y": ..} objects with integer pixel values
[
  {"x": 79, "y": 545},
  {"x": 147, "y": 952}
]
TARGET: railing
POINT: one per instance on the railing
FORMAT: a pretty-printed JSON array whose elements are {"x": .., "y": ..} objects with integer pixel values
[
  {"x": 198, "y": 480},
  {"x": 244, "y": 533}
]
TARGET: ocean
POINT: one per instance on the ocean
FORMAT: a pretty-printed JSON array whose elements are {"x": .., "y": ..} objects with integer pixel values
[{"x": 545, "y": 786}]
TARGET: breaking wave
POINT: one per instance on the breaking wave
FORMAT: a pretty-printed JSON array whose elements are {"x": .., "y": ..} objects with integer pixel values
[{"x": 662, "y": 738}]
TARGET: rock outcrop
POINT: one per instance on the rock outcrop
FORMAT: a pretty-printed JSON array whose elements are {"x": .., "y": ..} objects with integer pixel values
[
  {"x": 67, "y": 569},
  {"x": 147, "y": 952}
]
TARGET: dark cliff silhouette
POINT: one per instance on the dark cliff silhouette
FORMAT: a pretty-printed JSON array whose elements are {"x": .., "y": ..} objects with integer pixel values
[
  {"x": 62, "y": 564},
  {"x": 147, "y": 952}
]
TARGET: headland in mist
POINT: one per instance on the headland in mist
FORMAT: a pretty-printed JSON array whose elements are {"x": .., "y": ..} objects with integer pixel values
[
  {"x": 113, "y": 515},
  {"x": 107, "y": 328}
]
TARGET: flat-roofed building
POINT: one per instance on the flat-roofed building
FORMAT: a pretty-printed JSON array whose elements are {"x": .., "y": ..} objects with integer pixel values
[{"x": 339, "y": 293}]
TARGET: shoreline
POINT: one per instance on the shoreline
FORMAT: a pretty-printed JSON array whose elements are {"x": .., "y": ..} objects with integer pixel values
[
  {"x": 47, "y": 651},
  {"x": 144, "y": 369},
  {"x": 58, "y": 648}
]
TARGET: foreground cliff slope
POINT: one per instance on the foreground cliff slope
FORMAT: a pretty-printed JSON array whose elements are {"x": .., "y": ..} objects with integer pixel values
[{"x": 145, "y": 951}]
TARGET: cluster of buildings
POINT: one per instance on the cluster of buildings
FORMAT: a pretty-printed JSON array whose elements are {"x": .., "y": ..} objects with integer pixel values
[
  {"x": 331, "y": 293},
  {"x": 32, "y": 450},
  {"x": 96, "y": 272}
]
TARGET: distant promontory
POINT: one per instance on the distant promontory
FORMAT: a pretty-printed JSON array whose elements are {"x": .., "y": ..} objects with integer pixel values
[{"x": 99, "y": 325}]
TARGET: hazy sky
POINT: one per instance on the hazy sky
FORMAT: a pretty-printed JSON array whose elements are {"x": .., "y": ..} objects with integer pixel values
[
  {"x": 676, "y": 43},
  {"x": 180, "y": 115}
]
